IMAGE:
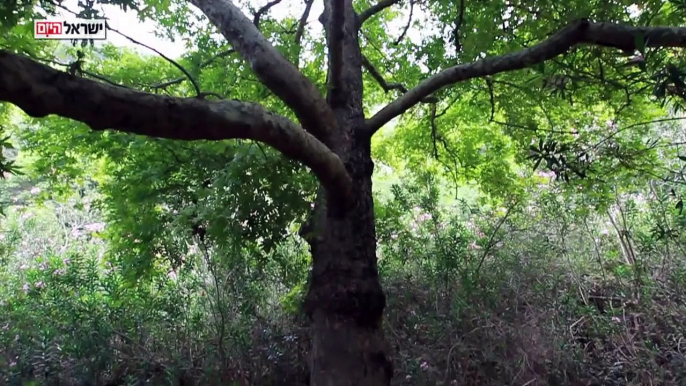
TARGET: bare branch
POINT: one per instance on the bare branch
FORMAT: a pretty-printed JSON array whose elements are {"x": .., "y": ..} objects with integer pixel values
[
  {"x": 40, "y": 90},
  {"x": 434, "y": 130},
  {"x": 583, "y": 32},
  {"x": 407, "y": 26},
  {"x": 83, "y": 72},
  {"x": 262, "y": 11},
  {"x": 303, "y": 20},
  {"x": 389, "y": 86},
  {"x": 490, "y": 243},
  {"x": 532, "y": 129},
  {"x": 374, "y": 9},
  {"x": 168, "y": 83},
  {"x": 272, "y": 68}
]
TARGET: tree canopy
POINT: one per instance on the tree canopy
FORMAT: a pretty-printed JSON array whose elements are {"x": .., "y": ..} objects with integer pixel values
[{"x": 498, "y": 95}]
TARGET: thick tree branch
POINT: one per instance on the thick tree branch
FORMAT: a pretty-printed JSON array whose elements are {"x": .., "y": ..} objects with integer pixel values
[
  {"x": 272, "y": 68},
  {"x": 374, "y": 9},
  {"x": 40, "y": 90},
  {"x": 583, "y": 32},
  {"x": 344, "y": 78}
]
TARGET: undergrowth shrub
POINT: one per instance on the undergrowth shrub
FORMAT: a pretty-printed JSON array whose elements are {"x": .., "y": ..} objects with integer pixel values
[
  {"x": 529, "y": 301},
  {"x": 68, "y": 315},
  {"x": 534, "y": 293}
]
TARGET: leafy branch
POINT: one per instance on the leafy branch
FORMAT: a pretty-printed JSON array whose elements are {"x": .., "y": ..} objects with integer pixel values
[{"x": 582, "y": 32}]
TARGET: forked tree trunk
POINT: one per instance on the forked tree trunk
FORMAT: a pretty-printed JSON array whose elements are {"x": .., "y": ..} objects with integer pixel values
[{"x": 345, "y": 301}]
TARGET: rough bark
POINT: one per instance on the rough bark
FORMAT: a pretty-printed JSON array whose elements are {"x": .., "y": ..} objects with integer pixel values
[
  {"x": 345, "y": 300},
  {"x": 273, "y": 69},
  {"x": 40, "y": 90}
]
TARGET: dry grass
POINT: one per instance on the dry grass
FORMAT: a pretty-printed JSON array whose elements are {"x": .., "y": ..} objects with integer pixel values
[{"x": 533, "y": 332}]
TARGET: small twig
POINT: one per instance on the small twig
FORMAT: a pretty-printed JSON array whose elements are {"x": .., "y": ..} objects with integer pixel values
[
  {"x": 644, "y": 123},
  {"x": 445, "y": 110},
  {"x": 535, "y": 130},
  {"x": 538, "y": 101},
  {"x": 203, "y": 95},
  {"x": 389, "y": 86},
  {"x": 165, "y": 57},
  {"x": 202, "y": 65},
  {"x": 91, "y": 74},
  {"x": 102, "y": 78},
  {"x": 583, "y": 318},
  {"x": 259, "y": 146},
  {"x": 601, "y": 78},
  {"x": 377, "y": 76},
  {"x": 447, "y": 362},
  {"x": 455, "y": 160},
  {"x": 173, "y": 62},
  {"x": 372, "y": 43}
]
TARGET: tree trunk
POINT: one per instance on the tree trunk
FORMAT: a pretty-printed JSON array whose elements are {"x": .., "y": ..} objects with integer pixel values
[{"x": 345, "y": 301}]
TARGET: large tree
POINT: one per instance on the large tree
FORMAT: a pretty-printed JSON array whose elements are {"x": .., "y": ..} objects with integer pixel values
[{"x": 332, "y": 132}]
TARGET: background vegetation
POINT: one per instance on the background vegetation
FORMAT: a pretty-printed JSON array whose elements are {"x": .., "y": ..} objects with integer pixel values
[
  {"x": 127, "y": 260},
  {"x": 553, "y": 287}
]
